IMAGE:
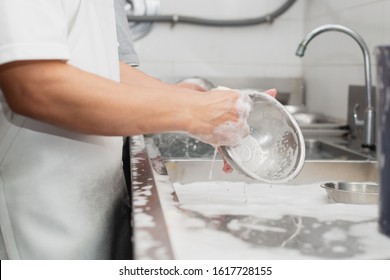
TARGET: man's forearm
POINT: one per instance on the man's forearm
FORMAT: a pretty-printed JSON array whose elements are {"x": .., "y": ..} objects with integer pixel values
[
  {"x": 63, "y": 95},
  {"x": 132, "y": 76}
]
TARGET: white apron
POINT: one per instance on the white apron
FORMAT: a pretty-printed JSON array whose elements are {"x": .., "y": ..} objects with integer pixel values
[{"x": 57, "y": 188}]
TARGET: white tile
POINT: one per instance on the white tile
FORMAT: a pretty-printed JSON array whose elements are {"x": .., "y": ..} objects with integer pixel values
[
  {"x": 231, "y": 9},
  {"x": 327, "y": 88},
  {"x": 295, "y": 12},
  {"x": 334, "y": 61},
  {"x": 196, "y": 69},
  {"x": 283, "y": 71},
  {"x": 274, "y": 43},
  {"x": 156, "y": 69},
  {"x": 316, "y": 21},
  {"x": 221, "y": 51},
  {"x": 338, "y": 48},
  {"x": 218, "y": 69},
  {"x": 316, "y": 8},
  {"x": 319, "y": 8},
  {"x": 324, "y": 94},
  {"x": 367, "y": 20},
  {"x": 350, "y": 4},
  {"x": 167, "y": 6},
  {"x": 182, "y": 43}
]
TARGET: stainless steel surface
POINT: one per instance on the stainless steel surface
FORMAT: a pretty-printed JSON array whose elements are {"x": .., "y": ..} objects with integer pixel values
[
  {"x": 294, "y": 221},
  {"x": 357, "y": 94},
  {"x": 313, "y": 123},
  {"x": 369, "y": 115},
  {"x": 293, "y": 109},
  {"x": 274, "y": 151},
  {"x": 150, "y": 237},
  {"x": 192, "y": 170},
  {"x": 305, "y": 232},
  {"x": 303, "y": 116},
  {"x": 321, "y": 150},
  {"x": 175, "y": 145},
  {"x": 352, "y": 192},
  {"x": 306, "y": 118}
]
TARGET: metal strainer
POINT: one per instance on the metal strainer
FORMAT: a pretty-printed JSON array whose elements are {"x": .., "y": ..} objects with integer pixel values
[{"x": 274, "y": 151}]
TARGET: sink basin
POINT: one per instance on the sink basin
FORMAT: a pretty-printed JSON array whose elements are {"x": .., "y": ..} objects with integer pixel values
[
  {"x": 227, "y": 213},
  {"x": 188, "y": 171},
  {"x": 195, "y": 184},
  {"x": 295, "y": 216},
  {"x": 320, "y": 150},
  {"x": 307, "y": 119},
  {"x": 174, "y": 145}
]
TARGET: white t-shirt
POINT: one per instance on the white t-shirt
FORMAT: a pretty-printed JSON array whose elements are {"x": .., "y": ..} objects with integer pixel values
[{"x": 57, "y": 188}]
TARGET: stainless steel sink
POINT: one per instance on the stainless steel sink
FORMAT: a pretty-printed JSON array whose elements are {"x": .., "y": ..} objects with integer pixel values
[
  {"x": 189, "y": 171},
  {"x": 293, "y": 222},
  {"x": 321, "y": 150},
  {"x": 313, "y": 119},
  {"x": 174, "y": 145}
]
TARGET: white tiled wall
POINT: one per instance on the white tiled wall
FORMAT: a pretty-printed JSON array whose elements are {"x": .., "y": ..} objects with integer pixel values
[
  {"x": 334, "y": 60},
  {"x": 255, "y": 51},
  {"x": 331, "y": 63}
]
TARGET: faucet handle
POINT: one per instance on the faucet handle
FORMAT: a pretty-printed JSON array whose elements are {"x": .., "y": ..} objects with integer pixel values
[{"x": 358, "y": 122}]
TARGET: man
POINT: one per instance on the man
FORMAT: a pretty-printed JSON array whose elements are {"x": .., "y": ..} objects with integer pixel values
[{"x": 66, "y": 102}]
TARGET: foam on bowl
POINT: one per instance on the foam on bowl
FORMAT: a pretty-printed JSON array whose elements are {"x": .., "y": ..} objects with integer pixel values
[{"x": 274, "y": 151}]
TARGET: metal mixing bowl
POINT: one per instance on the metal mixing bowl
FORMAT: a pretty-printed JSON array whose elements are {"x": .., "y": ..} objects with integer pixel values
[{"x": 274, "y": 151}]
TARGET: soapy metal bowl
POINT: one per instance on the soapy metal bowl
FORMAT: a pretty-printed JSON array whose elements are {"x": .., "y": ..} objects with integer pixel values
[
  {"x": 274, "y": 151},
  {"x": 352, "y": 192}
]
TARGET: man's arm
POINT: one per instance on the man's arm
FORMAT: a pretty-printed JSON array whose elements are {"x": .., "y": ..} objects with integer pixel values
[
  {"x": 58, "y": 93},
  {"x": 131, "y": 75}
]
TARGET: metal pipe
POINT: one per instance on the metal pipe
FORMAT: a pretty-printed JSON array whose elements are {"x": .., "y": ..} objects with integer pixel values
[{"x": 211, "y": 22}]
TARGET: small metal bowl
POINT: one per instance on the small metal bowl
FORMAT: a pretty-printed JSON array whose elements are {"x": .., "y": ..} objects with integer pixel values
[{"x": 352, "y": 192}]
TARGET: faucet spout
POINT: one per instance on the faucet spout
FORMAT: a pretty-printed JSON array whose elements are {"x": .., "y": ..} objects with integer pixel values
[
  {"x": 369, "y": 114},
  {"x": 300, "y": 50}
]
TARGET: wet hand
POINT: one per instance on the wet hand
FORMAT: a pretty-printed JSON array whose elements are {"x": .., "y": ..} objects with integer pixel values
[
  {"x": 226, "y": 117},
  {"x": 226, "y": 166}
]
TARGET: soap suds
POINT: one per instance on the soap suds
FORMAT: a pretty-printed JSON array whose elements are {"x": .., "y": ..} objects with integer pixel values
[
  {"x": 263, "y": 210},
  {"x": 231, "y": 133}
]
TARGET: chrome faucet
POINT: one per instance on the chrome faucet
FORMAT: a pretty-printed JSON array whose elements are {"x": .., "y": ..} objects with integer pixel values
[{"x": 369, "y": 114}]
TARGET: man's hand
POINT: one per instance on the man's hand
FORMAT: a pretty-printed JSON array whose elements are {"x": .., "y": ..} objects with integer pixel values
[{"x": 226, "y": 166}]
